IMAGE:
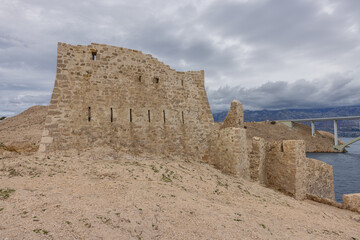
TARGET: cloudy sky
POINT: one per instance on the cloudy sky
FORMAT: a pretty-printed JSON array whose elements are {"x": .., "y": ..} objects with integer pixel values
[{"x": 269, "y": 54}]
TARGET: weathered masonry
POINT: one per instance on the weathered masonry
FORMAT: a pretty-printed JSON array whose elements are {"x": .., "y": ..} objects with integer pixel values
[{"x": 126, "y": 99}]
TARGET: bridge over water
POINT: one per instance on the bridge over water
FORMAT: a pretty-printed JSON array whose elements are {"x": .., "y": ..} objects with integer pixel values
[{"x": 337, "y": 146}]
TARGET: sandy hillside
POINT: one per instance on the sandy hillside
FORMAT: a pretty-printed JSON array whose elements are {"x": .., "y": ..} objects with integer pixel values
[
  {"x": 103, "y": 194},
  {"x": 23, "y": 132},
  {"x": 321, "y": 142}
]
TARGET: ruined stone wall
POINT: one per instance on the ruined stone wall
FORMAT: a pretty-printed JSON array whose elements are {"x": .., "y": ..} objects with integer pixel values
[
  {"x": 228, "y": 146},
  {"x": 229, "y": 152},
  {"x": 283, "y": 166},
  {"x": 319, "y": 179},
  {"x": 127, "y": 99},
  {"x": 286, "y": 167},
  {"x": 257, "y": 156},
  {"x": 235, "y": 116}
]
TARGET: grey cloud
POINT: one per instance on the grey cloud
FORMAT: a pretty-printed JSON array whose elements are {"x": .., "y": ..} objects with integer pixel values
[
  {"x": 30, "y": 99},
  {"x": 13, "y": 104},
  {"x": 281, "y": 24},
  {"x": 328, "y": 92},
  {"x": 256, "y": 48}
]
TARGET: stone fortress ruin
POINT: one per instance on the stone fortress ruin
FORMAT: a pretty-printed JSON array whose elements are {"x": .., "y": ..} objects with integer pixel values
[
  {"x": 126, "y": 99},
  {"x": 105, "y": 95}
]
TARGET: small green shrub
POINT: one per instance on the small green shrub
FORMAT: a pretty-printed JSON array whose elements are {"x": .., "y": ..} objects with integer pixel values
[
  {"x": 5, "y": 193},
  {"x": 165, "y": 178},
  {"x": 154, "y": 169},
  {"x": 39, "y": 230}
]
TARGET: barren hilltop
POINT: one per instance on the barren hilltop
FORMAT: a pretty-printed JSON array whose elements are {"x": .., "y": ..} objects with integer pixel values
[{"x": 108, "y": 194}]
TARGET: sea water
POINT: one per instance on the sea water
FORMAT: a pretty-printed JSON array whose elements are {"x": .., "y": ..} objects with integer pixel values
[{"x": 346, "y": 168}]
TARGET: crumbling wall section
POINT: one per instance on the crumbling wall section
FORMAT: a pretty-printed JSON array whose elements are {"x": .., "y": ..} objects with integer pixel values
[
  {"x": 235, "y": 116},
  {"x": 286, "y": 167},
  {"x": 229, "y": 153},
  {"x": 125, "y": 99},
  {"x": 228, "y": 146},
  {"x": 257, "y": 160},
  {"x": 283, "y": 166},
  {"x": 319, "y": 179}
]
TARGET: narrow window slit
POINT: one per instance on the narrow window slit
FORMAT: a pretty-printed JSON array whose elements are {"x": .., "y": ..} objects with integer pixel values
[
  {"x": 94, "y": 56},
  {"x": 89, "y": 114},
  {"x": 130, "y": 115},
  {"x": 111, "y": 115},
  {"x": 156, "y": 80},
  {"x": 149, "y": 115},
  {"x": 139, "y": 78},
  {"x": 164, "y": 116},
  {"x": 182, "y": 116},
  {"x": 182, "y": 82}
]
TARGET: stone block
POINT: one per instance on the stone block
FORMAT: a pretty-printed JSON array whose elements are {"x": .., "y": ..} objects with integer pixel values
[
  {"x": 42, "y": 148},
  {"x": 46, "y": 140},
  {"x": 45, "y": 133},
  {"x": 352, "y": 201}
]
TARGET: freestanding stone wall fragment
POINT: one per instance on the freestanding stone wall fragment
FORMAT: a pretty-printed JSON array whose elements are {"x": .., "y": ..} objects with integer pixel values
[
  {"x": 235, "y": 116},
  {"x": 230, "y": 152},
  {"x": 286, "y": 167},
  {"x": 257, "y": 160},
  {"x": 126, "y": 99},
  {"x": 319, "y": 179},
  {"x": 227, "y": 146}
]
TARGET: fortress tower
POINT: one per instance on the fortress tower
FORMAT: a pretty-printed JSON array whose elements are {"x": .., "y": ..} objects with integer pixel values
[{"x": 105, "y": 95}]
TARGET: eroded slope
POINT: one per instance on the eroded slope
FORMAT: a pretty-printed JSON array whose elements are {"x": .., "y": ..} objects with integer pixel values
[
  {"x": 22, "y": 133},
  {"x": 105, "y": 194}
]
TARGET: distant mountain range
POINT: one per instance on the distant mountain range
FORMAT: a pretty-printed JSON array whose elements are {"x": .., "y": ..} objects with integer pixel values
[{"x": 348, "y": 128}]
